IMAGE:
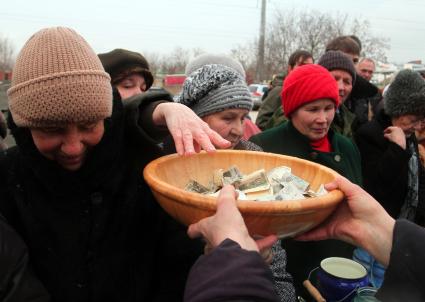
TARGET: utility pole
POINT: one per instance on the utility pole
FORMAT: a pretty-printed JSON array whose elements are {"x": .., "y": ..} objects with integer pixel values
[{"x": 260, "y": 59}]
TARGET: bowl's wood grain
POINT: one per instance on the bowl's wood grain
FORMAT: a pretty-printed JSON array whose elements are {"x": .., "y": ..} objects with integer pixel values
[{"x": 168, "y": 175}]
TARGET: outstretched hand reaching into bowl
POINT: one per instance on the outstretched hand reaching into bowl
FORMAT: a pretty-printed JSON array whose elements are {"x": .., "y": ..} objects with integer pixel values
[
  {"x": 228, "y": 223},
  {"x": 360, "y": 220},
  {"x": 190, "y": 133}
]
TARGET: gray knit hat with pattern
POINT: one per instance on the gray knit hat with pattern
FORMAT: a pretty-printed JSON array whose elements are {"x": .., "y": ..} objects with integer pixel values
[
  {"x": 214, "y": 88},
  {"x": 405, "y": 95},
  {"x": 335, "y": 59}
]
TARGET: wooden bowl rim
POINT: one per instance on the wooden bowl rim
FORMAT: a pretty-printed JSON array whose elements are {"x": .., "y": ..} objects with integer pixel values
[{"x": 245, "y": 206}]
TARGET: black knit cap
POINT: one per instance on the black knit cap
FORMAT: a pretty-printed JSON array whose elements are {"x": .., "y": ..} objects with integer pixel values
[
  {"x": 333, "y": 59},
  {"x": 120, "y": 63}
]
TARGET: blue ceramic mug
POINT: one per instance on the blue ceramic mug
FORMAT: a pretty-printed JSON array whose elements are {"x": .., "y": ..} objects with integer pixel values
[{"x": 339, "y": 278}]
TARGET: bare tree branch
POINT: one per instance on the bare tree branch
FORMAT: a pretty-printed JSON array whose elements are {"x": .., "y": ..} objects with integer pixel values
[
  {"x": 311, "y": 31},
  {"x": 6, "y": 54}
]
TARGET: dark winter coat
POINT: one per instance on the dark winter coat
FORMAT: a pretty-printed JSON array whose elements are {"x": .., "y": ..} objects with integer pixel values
[
  {"x": 97, "y": 234},
  {"x": 404, "y": 279},
  {"x": 363, "y": 101},
  {"x": 385, "y": 167},
  {"x": 17, "y": 281},
  {"x": 345, "y": 159}
]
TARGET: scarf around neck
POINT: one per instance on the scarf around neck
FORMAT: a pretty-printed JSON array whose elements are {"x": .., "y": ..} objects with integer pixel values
[{"x": 322, "y": 144}]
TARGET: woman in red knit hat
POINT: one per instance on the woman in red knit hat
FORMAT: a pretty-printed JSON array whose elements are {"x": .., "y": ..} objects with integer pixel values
[{"x": 311, "y": 98}]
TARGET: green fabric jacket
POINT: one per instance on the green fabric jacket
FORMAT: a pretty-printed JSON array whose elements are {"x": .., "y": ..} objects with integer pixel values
[
  {"x": 270, "y": 104},
  {"x": 343, "y": 122},
  {"x": 286, "y": 140},
  {"x": 278, "y": 118}
]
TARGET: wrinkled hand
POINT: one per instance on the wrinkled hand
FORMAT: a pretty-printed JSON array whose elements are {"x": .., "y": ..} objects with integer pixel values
[
  {"x": 360, "y": 220},
  {"x": 228, "y": 223},
  {"x": 396, "y": 135},
  {"x": 190, "y": 133}
]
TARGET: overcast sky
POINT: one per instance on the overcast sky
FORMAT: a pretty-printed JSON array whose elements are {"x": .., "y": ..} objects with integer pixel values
[{"x": 212, "y": 25}]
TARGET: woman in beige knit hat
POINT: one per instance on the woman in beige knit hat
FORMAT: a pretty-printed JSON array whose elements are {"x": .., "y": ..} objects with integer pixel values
[{"x": 72, "y": 186}]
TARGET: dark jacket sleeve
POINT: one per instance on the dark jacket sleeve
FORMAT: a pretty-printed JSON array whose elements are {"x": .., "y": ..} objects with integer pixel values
[
  {"x": 17, "y": 283},
  {"x": 384, "y": 166},
  {"x": 405, "y": 277},
  {"x": 139, "y": 110},
  {"x": 230, "y": 273}
]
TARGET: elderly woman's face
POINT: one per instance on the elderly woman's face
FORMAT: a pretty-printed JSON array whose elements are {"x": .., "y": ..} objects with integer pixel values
[
  {"x": 68, "y": 145},
  {"x": 409, "y": 123},
  {"x": 131, "y": 85},
  {"x": 228, "y": 123},
  {"x": 314, "y": 119}
]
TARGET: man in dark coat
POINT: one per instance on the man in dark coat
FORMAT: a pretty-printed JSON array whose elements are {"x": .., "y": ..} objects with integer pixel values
[
  {"x": 344, "y": 73},
  {"x": 365, "y": 97}
]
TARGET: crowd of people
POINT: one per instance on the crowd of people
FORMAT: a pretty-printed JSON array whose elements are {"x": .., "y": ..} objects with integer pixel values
[{"x": 79, "y": 223}]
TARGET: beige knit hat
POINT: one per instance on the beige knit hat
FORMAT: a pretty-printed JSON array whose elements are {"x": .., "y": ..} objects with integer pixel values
[{"x": 58, "y": 79}]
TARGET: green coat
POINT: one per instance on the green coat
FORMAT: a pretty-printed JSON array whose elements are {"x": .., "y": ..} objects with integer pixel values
[
  {"x": 268, "y": 107},
  {"x": 286, "y": 140},
  {"x": 344, "y": 122},
  {"x": 345, "y": 159}
]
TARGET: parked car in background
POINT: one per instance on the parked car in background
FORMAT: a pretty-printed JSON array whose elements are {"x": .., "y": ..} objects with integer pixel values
[{"x": 257, "y": 91}]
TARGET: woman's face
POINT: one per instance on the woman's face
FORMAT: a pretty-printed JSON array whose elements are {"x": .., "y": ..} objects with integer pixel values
[
  {"x": 228, "y": 123},
  {"x": 314, "y": 119},
  {"x": 409, "y": 123},
  {"x": 68, "y": 145},
  {"x": 131, "y": 85}
]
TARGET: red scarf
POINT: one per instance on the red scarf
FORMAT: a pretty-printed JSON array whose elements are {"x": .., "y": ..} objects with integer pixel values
[{"x": 322, "y": 144}]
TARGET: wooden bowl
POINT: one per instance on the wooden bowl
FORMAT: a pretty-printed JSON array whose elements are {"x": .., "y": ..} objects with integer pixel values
[{"x": 168, "y": 175}]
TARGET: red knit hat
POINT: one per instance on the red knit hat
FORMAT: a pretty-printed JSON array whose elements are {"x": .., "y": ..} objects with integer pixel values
[{"x": 306, "y": 84}]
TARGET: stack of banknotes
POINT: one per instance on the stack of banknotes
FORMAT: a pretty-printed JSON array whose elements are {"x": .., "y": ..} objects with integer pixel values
[{"x": 276, "y": 184}]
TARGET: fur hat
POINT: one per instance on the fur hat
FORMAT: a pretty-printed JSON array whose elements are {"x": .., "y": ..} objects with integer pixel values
[
  {"x": 405, "y": 95},
  {"x": 58, "y": 79},
  {"x": 306, "y": 84},
  {"x": 334, "y": 59},
  {"x": 214, "y": 88},
  {"x": 209, "y": 58},
  {"x": 120, "y": 63}
]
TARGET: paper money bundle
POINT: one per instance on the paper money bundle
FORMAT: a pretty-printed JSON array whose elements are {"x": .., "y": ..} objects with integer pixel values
[{"x": 277, "y": 184}]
